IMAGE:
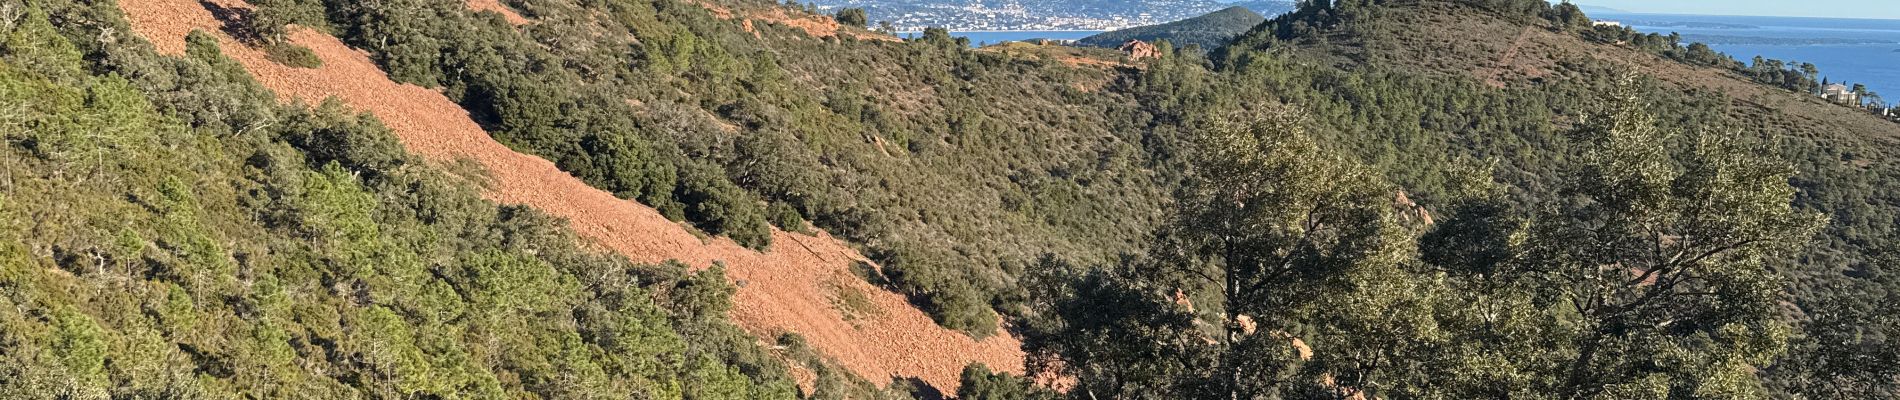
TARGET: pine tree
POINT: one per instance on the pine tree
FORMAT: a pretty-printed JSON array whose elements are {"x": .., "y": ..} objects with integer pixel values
[
  {"x": 1270, "y": 226},
  {"x": 852, "y": 17}
]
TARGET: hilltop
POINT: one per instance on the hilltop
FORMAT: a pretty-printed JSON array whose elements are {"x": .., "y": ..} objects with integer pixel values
[
  {"x": 1530, "y": 56},
  {"x": 1269, "y": 7},
  {"x": 1207, "y": 31}
]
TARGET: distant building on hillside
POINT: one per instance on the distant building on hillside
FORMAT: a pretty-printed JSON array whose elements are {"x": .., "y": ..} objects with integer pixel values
[
  {"x": 1608, "y": 23},
  {"x": 1839, "y": 93}
]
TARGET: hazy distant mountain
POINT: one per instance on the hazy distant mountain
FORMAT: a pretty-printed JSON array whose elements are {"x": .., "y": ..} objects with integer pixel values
[
  {"x": 1208, "y": 31},
  {"x": 914, "y": 15},
  {"x": 1599, "y": 9},
  {"x": 1269, "y": 8}
]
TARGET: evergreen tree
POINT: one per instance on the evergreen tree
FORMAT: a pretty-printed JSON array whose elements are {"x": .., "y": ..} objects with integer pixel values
[
  {"x": 851, "y": 17},
  {"x": 1649, "y": 277},
  {"x": 1269, "y": 227},
  {"x": 267, "y": 22},
  {"x": 1657, "y": 258},
  {"x": 1569, "y": 17},
  {"x": 1112, "y": 330}
]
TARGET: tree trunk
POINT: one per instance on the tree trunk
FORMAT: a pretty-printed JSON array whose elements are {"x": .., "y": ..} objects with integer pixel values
[{"x": 1229, "y": 322}]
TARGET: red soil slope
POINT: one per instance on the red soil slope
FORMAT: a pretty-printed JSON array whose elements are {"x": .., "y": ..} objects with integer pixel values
[{"x": 792, "y": 288}]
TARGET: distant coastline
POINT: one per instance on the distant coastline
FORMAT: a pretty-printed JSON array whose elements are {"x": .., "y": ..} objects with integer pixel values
[
  {"x": 1696, "y": 25},
  {"x": 1659, "y": 16},
  {"x": 983, "y": 37},
  {"x": 1783, "y": 41},
  {"x": 1845, "y": 49},
  {"x": 954, "y": 32}
]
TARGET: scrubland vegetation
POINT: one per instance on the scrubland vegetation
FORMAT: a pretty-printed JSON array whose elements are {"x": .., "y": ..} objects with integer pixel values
[
  {"x": 1203, "y": 226},
  {"x": 171, "y": 232}
]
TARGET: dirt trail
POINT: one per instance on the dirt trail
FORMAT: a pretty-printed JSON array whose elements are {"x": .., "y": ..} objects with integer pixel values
[
  {"x": 1510, "y": 55},
  {"x": 1494, "y": 75},
  {"x": 782, "y": 289}
]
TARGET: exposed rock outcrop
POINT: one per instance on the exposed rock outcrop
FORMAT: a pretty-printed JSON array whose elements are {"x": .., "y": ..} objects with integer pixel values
[{"x": 1139, "y": 50}]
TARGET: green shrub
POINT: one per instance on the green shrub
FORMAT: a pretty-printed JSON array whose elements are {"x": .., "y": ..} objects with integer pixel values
[
  {"x": 941, "y": 290},
  {"x": 719, "y": 207},
  {"x": 978, "y": 383},
  {"x": 786, "y": 218},
  {"x": 869, "y": 274},
  {"x": 292, "y": 55}
]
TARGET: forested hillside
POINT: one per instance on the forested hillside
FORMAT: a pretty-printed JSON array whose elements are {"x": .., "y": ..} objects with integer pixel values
[
  {"x": 714, "y": 206},
  {"x": 1205, "y": 32},
  {"x": 1591, "y": 232},
  {"x": 170, "y": 231},
  {"x": 1532, "y": 72},
  {"x": 951, "y": 167},
  {"x": 1358, "y": 199}
]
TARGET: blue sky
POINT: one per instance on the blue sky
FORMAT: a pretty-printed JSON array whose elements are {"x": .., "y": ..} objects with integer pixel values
[{"x": 1885, "y": 9}]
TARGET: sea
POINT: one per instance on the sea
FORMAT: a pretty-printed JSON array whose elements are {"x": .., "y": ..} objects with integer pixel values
[
  {"x": 1846, "y": 50},
  {"x": 1863, "y": 51}
]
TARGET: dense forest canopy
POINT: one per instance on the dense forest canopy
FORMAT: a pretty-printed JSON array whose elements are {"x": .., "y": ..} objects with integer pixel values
[{"x": 1379, "y": 198}]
